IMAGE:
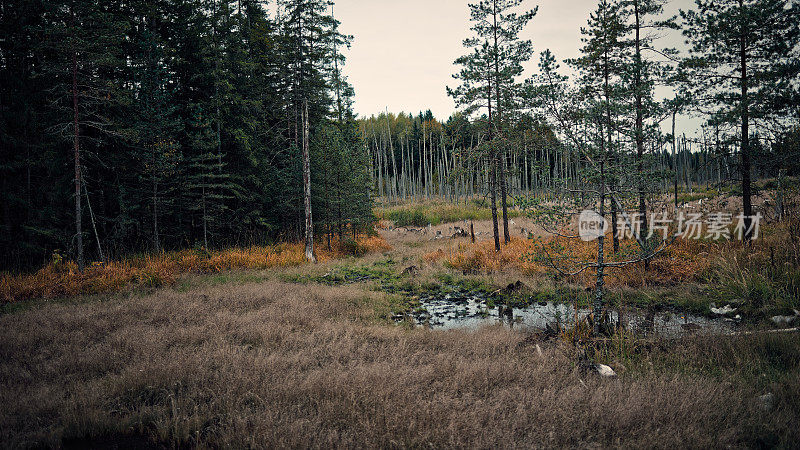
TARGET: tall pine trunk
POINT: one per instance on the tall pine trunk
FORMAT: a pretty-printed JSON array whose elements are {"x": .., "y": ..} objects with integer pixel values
[
  {"x": 493, "y": 195},
  {"x": 502, "y": 165},
  {"x": 503, "y": 194},
  {"x": 597, "y": 307},
  {"x": 492, "y": 168},
  {"x": 609, "y": 131},
  {"x": 156, "y": 238}
]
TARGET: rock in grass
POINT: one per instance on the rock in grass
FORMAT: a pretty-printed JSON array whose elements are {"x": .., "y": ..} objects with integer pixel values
[
  {"x": 783, "y": 320},
  {"x": 410, "y": 270},
  {"x": 727, "y": 309},
  {"x": 767, "y": 401},
  {"x": 604, "y": 370}
]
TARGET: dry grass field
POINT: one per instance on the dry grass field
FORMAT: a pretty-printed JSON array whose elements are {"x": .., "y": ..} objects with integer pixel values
[{"x": 272, "y": 364}]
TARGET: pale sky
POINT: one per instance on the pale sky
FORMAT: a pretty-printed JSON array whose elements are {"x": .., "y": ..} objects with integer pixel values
[{"x": 403, "y": 50}]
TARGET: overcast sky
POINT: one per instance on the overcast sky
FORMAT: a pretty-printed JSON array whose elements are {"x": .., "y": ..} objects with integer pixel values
[{"x": 403, "y": 50}]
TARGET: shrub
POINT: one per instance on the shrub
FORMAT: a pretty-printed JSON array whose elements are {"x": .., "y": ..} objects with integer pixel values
[{"x": 351, "y": 247}]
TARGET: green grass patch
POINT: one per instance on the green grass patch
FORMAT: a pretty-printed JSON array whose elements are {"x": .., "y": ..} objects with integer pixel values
[
  {"x": 688, "y": 197},
  {"x": 436, "y": 213},
  {"x": 691, "y": 298},
  {"x": 760, "y": 286}
]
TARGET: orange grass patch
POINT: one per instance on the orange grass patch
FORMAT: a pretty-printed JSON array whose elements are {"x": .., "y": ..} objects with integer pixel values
[
  {"x": 685, "y": 260},
  {"x": 482, "y": 257},
  {"x": 62, "y": 279}
]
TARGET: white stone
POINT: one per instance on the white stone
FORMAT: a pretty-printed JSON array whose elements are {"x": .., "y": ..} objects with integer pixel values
[
  {"x": 767, "y": 401},
  {"x": 605, "y": 371},
  {"x": 783, "y": 320},
  {"x": 727, "y": 309}
]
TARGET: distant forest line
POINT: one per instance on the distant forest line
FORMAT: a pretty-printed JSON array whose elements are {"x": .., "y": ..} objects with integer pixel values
[{"x": 418, "y": 157}]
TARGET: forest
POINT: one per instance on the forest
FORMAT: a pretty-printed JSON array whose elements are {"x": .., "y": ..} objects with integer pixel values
[
  {"x": 202, "y": 105},
  {"x": 207, "y": 241},
  {"x": 149, "y": 125}
]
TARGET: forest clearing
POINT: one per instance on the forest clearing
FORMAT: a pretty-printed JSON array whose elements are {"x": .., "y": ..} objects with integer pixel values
[
  {"x": 332, "y": 354},
  {"x": 399, "y": 224}
]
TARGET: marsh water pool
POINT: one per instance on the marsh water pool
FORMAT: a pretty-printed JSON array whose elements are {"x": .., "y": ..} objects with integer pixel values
[{"x": 471, "y": 310}]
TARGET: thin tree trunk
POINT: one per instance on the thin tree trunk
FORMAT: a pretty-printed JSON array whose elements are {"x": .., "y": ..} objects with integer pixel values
[
  {"x": 77, "y": 151},
  {"x": 205, "y": 220},
  {"x": 502, "y": 165},
  {"x": 393, "y": 179},
  {"x": 503, "y": 194},
  {"x": 640, "y": 130},
  {"x": 745, "y": 148},
  {"x": 307, "y": 188},
  {"x": 493, "y": 191},
  {"x": 675, "y": 159},
  {"x": 492, "y": 169},
  {"x": 156, "y": 238},
  {"x": 94, "y": 226},
  {"x": 597, "y": 308}
]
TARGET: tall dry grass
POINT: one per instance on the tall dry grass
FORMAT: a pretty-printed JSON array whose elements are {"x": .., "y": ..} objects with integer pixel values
[
  {"x": 62, "y": 278},
  {"x": 279, "y": 365},
  {"x": 685, "y": 260},
  {"x": 764, "y": 274}
]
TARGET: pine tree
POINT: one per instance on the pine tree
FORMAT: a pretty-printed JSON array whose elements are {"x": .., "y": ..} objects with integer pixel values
[
  {"x": 87, "y": 38},
  {"x": 155, "y": 126},
  {"x": 497, "y": 25},
  {"x": 743, "y": 69},
  {"x": 475, "y": 92},
  {"x": 208, "y": 184},
  {"x": 601, "y": 66},
  {"x": 643, "y": 72},
  {"x": 580, "y": 119}
]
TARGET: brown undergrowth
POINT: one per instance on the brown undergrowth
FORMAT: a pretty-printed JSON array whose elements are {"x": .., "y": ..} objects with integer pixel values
[
  {"x": 283, "y": 365},
  {"x": 62, "y": 279},
  {"x": 685, "y": 260},
  {"x": 763, "y": 276}
]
